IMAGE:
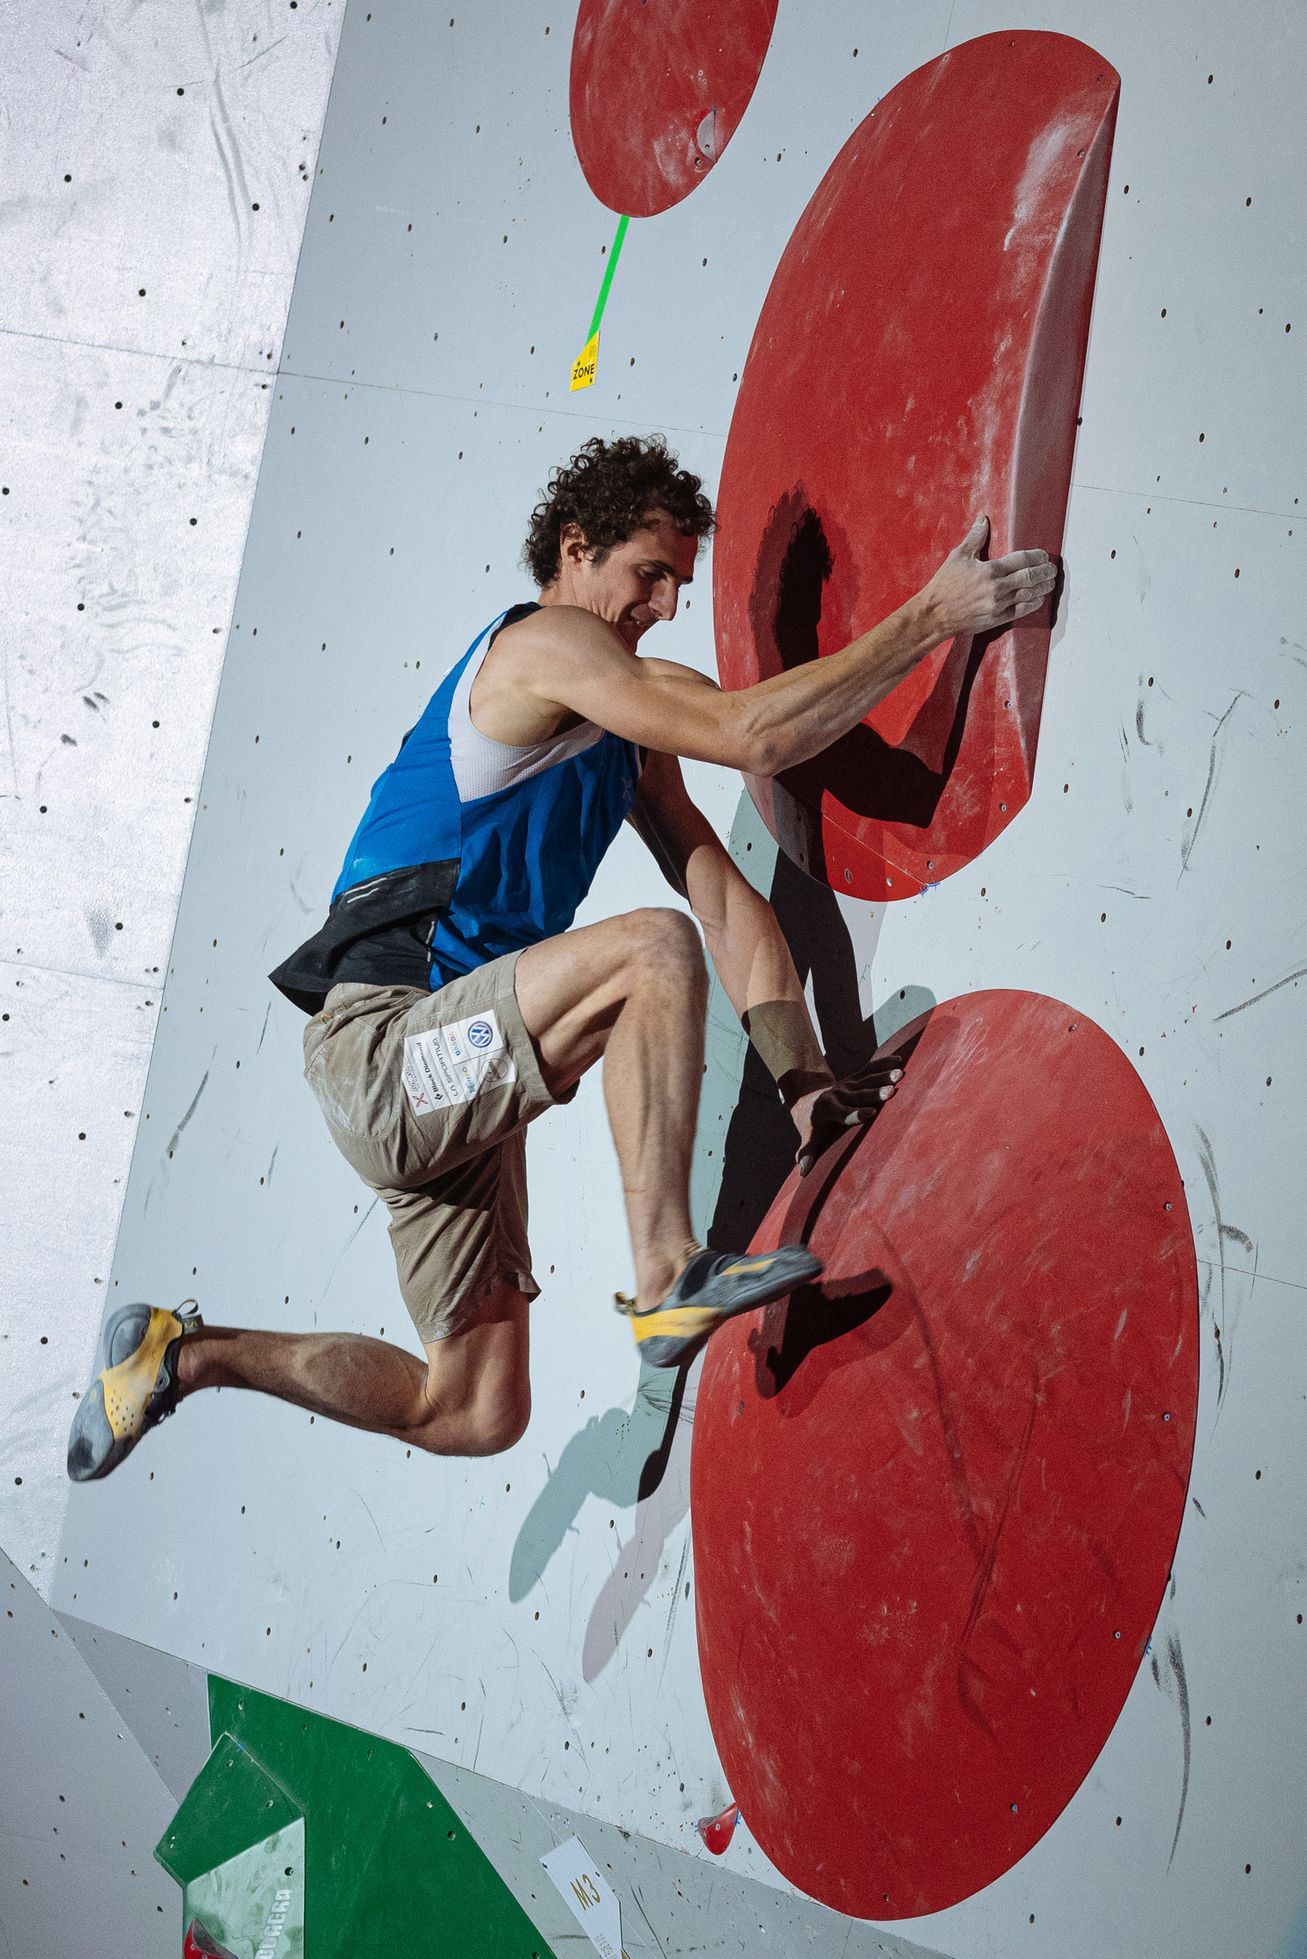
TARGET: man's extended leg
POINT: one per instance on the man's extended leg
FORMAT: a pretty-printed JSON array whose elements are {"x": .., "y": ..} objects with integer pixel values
[
  {"x": 471, "y": 1397},
  {"x": 631, "y": 990}
]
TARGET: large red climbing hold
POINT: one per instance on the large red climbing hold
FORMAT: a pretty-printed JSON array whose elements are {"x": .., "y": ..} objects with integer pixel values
[
  {"x": 917, "y": 363},
  {"x": 658, "y": 88},
  {"x": 936, "y": 1499}
]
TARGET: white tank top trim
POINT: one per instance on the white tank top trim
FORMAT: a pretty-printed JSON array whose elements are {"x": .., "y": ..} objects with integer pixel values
[{"x": 483, "y": 766}]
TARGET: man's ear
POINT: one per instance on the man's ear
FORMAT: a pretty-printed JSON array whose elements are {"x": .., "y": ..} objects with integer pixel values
[{"x": 572, "y": 546}]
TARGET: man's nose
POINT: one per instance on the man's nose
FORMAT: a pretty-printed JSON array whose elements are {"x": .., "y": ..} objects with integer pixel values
[{"x": 663, "y": 601}]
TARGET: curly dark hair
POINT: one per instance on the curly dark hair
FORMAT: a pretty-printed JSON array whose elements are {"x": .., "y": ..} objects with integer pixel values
[{"x": 611, "y": 489}]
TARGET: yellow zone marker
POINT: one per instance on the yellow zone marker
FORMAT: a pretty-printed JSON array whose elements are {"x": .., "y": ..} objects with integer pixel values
[{"x": 586, "y": 364}]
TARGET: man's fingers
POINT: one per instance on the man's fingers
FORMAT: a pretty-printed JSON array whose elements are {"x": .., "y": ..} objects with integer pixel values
[
  {"x": 866, "y": 1110},
  {"x": 1020, "y": 561},
  {"x": 1023, "y": 592},
  {"x": 838, "y": 1110},
  {"x": 1032, "y": 578},
  {"x": 1031, "y": 602},
  {"x": 881, "y": 1064},
  {"x": 974, "y": 541}
]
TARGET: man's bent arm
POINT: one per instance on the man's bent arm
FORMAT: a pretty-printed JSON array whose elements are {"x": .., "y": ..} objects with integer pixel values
[{"x": 742, "y": 933}]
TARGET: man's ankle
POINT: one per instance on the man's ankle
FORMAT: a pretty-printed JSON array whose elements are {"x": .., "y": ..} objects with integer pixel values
[
  {"x": 189, "y": 1366},
  {"x": 656, "y": 1276}
]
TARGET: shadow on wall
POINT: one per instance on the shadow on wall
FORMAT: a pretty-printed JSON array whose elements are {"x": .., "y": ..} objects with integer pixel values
[
  {"x": 639, "y": 1456},
  {"x": 620, "y": 1457}
]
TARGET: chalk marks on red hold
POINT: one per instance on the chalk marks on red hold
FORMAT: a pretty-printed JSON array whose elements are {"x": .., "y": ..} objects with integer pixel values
[
  {"x": 917, "y": 363},
  {"x": 657, "y": 92},
  {"x": 936, "y": 1498}
]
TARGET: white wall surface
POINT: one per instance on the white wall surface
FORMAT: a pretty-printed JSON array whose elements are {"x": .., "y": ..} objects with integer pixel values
[
  {"x": 81, "y": 1806},
  {"x": 155, "y": 169},
  {"x": 526, "y": 1617}
]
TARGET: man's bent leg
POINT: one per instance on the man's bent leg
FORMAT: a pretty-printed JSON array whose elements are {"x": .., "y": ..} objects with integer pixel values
[
  {"x": 633, "y": 989},
  {"x": 471, "y": 1398}
]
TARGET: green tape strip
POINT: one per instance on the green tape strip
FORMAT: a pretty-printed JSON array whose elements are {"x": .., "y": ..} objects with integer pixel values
[{"x": 607, "y": 285}]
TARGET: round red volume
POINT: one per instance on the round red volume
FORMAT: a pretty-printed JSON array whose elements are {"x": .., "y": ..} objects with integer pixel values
[
  {"x": 935, "y": 1499},
  {"x": 917, "y": 364},
  {"x": 657, "y": 91}
]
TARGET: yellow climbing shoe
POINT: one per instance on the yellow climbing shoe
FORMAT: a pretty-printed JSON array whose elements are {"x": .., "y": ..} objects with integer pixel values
[
  {"x": 714, "y": 1287},
  {"x": 133, "y": 1386}
]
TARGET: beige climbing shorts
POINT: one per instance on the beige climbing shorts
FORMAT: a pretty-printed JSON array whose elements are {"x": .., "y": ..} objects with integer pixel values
[{"x": 427, "y": 1096}]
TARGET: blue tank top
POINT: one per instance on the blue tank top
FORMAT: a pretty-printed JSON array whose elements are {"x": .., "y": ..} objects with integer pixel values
[{"x": 435, "y": 885}]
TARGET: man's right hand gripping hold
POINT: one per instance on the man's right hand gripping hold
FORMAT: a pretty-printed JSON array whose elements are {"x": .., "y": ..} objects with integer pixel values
[{"x": 451, "y": 1004}]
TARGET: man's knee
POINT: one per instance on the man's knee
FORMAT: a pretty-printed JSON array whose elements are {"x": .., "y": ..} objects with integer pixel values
[
  {"x": 497, "y": 1425},
  {"x": 662, "y": 943},
  {"x": 485, "y": 1426}
]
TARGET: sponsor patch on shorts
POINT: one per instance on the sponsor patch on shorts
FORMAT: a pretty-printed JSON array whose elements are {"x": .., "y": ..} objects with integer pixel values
[{"x": 453, "y": 1064}]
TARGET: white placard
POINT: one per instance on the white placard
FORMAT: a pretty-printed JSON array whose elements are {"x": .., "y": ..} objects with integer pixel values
[
  {"x": 452, "y": 1064},
  {"x": 593, "y": 1903}
]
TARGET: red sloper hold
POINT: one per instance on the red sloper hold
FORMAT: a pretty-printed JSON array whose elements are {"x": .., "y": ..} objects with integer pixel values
[
  {"x": 717, "y": 1831},
  {"x": 657, "y": 91},
  {"x": 917, "y": 364},
  {"x": 935, "y": 1501}
]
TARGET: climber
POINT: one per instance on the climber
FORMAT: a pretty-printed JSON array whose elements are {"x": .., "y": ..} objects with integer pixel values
[{"x": 452, "y": 1001}]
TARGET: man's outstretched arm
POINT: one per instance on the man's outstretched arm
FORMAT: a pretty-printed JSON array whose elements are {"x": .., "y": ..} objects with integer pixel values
[{"x": 577, "y": 663}]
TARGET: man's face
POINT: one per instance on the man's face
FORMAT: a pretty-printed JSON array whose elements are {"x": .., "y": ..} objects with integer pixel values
[{"x": 639, "y": 581}]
